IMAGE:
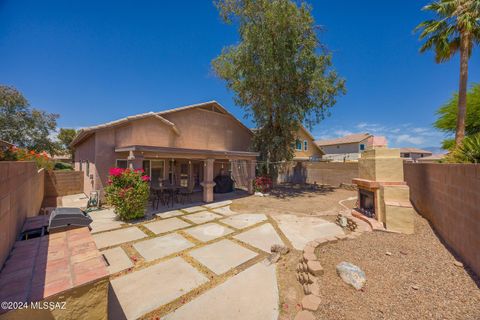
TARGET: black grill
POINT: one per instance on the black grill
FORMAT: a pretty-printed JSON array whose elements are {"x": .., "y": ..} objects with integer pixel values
[{"x": 63, "y": 219}]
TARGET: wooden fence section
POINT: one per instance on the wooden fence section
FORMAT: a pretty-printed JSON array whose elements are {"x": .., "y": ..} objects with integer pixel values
[
  {"x": 21, "y": 195},
  {"x": 63, "y": 183},
  {"x": 332, "y": 173},
  {"x": 448, "y": 195}
]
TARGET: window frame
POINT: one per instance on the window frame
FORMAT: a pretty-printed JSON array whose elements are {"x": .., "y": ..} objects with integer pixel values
[
  {"x": 116, "y": 163},
  {"x": 297, "y": 143},
  {"x": 361, "y": 147},
  {"x": 305, "y": 145},
  {"x": 150, "y": 166}
]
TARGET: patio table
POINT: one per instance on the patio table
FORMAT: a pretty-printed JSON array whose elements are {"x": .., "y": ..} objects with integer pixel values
[{"x": 171, "y": 190}]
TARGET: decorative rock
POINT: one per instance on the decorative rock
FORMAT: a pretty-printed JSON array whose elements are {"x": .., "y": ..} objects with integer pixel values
[
  {"x": 332, "y": 239},
  {"x": 351, "y": 274},
  {"x": 315, "y": 268},
  {"x": 414, "y": 287},
  {"x": 297, "y": 275},
  {"x": 305, "y": 266},
  {"x": 312, "y": 243},
  {"x": 303, "y": 278},
  {"x": 309, "y": 257},
  {"x": 306, "y": 289},
  {"x": 299, "y": 267},
  {"x": 280, "y": 249},
  {"x": 314, "y": 288},
  {"x": 388, "y": 253},
  {"x": 311, "y": 302},
  {"x": 458, "y": 264},
  {"x": 304, "y": 315},
  {"x": 309, "y": 249},
  {"x": 310, "y": 278}
]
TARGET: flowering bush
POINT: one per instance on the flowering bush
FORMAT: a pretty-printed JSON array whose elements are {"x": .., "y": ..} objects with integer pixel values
[
  {"x": 127, "y": 191},
  {"x": 18, "y": 154},
  {"x": 262, "y": 184}
]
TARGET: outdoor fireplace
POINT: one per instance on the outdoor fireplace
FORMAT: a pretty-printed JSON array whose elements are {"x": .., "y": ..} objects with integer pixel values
[{"x": 383, "y": 196}]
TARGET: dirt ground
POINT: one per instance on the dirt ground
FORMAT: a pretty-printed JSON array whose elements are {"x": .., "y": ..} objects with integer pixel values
[
  {"x": 417, "y": 281},
  {"x": 297, "y": 201}
]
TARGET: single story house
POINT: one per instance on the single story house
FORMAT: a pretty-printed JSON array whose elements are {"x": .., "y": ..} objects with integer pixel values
[
  {"x": 187, "y": 146},
  {"x": 412, "y": 154},
  {"x": 349, "y": 147}
]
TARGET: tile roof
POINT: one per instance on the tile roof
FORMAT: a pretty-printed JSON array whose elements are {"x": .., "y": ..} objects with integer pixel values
[{"x": 351, "y": 138}]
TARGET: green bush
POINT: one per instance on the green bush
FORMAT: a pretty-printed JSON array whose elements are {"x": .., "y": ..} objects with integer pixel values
[
  {"x": 127, "y": 191},
  {"x": 467, "y": 152},
  {"x": 62, "y": 166}
]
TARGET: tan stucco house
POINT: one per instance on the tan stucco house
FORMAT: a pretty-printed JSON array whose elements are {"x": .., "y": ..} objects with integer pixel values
[
  {"x": 185, "y": 146},
  {"x": 305, "y": 147},
  {"x": 349, "y": 147}
]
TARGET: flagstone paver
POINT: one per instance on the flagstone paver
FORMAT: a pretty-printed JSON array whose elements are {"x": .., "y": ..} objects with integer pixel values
[
  {"x": 104, "y": 220},
  {"x": 209, "y": 231},
  {"x": 218, "y": 204},
  {"x": 147, "y": 289},
  {"x": 169, "y": 214},
  {"x": 193, "y": 209},
  {"x": 118, "y": 260},
  {"x": 162, "y": 246},
  {"x": 222, "y": 256},
  {"x": 252, "y": 294},
  {"x": 244, "y": 220},
  {"x": 112, "y": 238},
  {"x": 300, "y": 230},
  {"x": 202, "y": 217},
  {"x": 162, "y": 226},
  {"x": 226, "y": 211},
  {"x": 262, "y": 237}
]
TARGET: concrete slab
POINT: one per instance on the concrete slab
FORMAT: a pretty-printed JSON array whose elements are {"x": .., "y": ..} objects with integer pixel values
[
  {"x": 118, "y": 260},
  {"x": 145, "y": 290},
  {"x": 112, "y": 238},
  {"x": 262, "y": 237},
  {"x": 222, "y": 256},
  {"x": 244, "y": 220},
  {"x": 300, "y": 230},
  {"x": 79, "y": 200},
  {"x": 169, "y": 214},
  {"x": 218, "y": 204},
  {"x": 226, "y": 211},
  {"x": 202, "y": 217},
  {"x": 104, "y": 220},
  {"x": 162, "y": 226},
  {"x": 163, "y": 246},
  {"x": 252, "y": 294},
  {"x": 193, "y": 209},
  {"x": 209, "y": 231}
]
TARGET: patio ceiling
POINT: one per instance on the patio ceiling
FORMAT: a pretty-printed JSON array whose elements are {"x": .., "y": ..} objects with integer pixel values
[{"x": 189, "y": 153}]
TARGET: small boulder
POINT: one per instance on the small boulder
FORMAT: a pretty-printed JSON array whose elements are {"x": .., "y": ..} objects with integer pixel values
[{"x": 351, "y": 274}]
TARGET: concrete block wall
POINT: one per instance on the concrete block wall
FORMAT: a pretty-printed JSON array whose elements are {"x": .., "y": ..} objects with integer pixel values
[
  {"x": 332, "y": 173},
  {"x": 448, "y": 195},
  {"x": 63, "y": 183},
  {"x": 21, "y": 195}
]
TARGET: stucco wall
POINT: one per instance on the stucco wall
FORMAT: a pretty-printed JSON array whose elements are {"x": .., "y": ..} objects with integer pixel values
[
  {"x": 332, "y": 173},
  {"x": 85, "y": 152},
  {"x": 448, "y": 195},
  {"x": 21, "y": 195},
  {"x": 63, "y": 183}
]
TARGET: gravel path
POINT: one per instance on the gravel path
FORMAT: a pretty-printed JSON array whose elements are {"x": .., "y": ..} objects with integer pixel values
[{"x": 417, "y": 281}]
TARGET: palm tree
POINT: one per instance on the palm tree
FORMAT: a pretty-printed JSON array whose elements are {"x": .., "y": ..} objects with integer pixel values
[{"x": 455, "y": 29}]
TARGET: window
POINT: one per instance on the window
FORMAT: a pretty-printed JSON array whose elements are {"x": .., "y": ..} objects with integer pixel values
[
  {"x": 121, "y": 163},
  {"x": 298, "y": 145},
  {"x": 156, "y": 170},
  {"x": 305, "y": 145},
  {"x": 362, "y": 147},
  {"x": 406, "y": 155}
]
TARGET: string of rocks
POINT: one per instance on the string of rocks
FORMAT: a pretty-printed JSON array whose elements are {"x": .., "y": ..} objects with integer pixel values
[{"x": 309, "y": 269}]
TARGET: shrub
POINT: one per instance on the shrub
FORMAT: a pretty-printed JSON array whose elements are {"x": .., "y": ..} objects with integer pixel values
[
  {"x": 63, "y": 166},
  {"x": 127, "y": 191},
  {"x": 17, "y": 154},
  {"x": 262, "y": 184},
  {"x": 467, "y": 152}
]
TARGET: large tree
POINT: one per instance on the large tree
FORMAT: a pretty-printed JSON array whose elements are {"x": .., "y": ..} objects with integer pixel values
[
  {"x": 279, "y": 71},
  {"x": 456, "y": 28},
  {"x": 24, "y": 126},
  {"x": 65, "y": 137},
  {"x": 447, "y": 116}
]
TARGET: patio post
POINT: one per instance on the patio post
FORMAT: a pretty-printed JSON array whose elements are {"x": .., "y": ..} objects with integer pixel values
[
  {"x": 251, "y": 175},
  {"x": 135, "y": 161},
  {"x": 208, "y": 183}
]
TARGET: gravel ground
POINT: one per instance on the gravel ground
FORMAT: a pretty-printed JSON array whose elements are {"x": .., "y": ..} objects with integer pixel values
[{"x": 417, "y": 281}]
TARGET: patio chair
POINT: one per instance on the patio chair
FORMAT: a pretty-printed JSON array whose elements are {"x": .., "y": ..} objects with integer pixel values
[
  {"x": 186, "y": 193},
  {"x": 153, "y": 196}
]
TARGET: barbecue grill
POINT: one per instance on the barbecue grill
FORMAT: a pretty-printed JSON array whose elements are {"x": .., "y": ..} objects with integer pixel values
[{"x": 62, "y": 219}]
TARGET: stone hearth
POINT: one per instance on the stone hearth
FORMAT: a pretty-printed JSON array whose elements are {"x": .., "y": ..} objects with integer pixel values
[{"x": 383, "y": 195}]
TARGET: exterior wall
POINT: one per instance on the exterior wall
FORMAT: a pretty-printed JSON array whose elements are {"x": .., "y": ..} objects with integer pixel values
[
  {"x": 105, "y": 157},
  {"x": 342, "y": 148},
  {"x": 448, "y": 196},
  {"x": 312, "y": 150},
  {"x": 63, "y": 183},
  {"x": 84, "y": 152},
  {"x": 147, "y": 132},
  {"x": 332, "y": 173},
  {"x": 21, "y": 195},
  {"x": 414, "y": 156}
]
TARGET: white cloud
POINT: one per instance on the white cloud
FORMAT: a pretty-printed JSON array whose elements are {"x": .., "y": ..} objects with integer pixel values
[
  {"x": 342, "y": 132},
  {"x": 406, "y": 138}
]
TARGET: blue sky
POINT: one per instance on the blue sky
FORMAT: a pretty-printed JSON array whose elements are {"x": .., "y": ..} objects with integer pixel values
[{"x": 97, "y": 61}]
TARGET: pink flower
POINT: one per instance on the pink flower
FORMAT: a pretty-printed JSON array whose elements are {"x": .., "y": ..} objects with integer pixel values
[
  {"x": 140, "y": 170},
  {"x": 116, "y": 172},
  {"x": 145, "y": 178}
]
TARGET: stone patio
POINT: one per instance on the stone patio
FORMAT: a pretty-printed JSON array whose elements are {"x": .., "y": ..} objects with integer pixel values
[
  {"x": 163, "y": 246},
  {"x": 244, "y": 220},
  {"x": 209, "y": 231},
  {"x": 162, "y": 226},
  {"x": 117, "y": 259},
  {"x": 112, "y": 238},
  {"x": 202, "y": 217},
  {"x": 262, "y": 237}
]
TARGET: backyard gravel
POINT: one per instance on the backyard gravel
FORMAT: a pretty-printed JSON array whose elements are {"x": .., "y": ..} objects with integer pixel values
[{"x": 408, "y": 277}]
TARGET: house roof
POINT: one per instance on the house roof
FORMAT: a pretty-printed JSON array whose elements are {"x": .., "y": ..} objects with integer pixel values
[
  {"x": 85, "y": 132},
  {"x": 5, "y": 143},
  {"x": 433, "y": 157},
  {"x": 351, "y": 138},
  {"x": 413, "y": 150}
]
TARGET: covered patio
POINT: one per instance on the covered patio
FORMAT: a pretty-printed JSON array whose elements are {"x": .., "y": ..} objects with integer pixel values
[{"x": 191, "y": 169}]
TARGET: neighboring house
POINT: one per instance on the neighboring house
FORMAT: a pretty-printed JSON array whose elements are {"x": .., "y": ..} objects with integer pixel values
[
  {"x": 349, "y": 147},
  {"x": 412, "y": 154},
  {"x": 4, "y": 145},
  {"x": 187, "y": 146},
  {"x": 434, "y": 158},
  {"x": 305, "y": 147}
]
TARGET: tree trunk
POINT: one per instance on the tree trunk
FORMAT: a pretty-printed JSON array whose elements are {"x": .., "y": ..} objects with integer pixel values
[{"x": 462, "y": 91}]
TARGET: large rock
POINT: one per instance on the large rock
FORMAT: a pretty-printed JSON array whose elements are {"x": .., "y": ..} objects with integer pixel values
[{"x": 351, "y": 274}]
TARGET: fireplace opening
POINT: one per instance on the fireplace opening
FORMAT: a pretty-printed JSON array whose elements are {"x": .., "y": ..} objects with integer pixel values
[{"x": 367, "y": 203}]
